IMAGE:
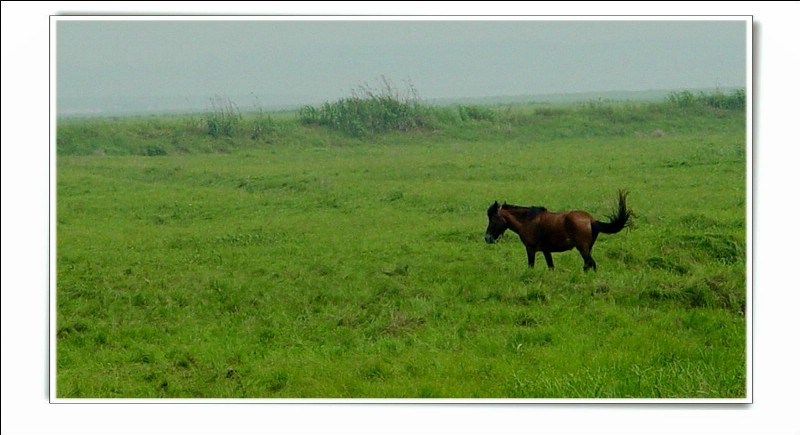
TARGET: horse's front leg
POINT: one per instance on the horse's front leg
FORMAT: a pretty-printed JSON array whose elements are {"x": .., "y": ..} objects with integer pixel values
[
  {"x": 531, "y": 255},
  {"x": 549, "y": 259}
]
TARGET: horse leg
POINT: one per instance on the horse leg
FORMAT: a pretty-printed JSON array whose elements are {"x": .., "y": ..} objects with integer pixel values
[
  {"x": 588, "y": 262},
  {"x": 549, "y": 259},
  {"x": 531, "y": 255}
]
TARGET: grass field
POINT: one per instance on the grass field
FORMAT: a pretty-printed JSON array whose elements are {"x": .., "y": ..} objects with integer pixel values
[{"x": 295, "y": 261}]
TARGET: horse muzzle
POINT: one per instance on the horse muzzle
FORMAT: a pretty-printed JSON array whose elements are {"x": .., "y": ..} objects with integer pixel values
[{"x": 489, "y": 238}]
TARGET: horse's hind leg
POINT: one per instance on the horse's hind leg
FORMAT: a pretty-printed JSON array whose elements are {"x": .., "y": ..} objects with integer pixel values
[
  {"x": 549, "y": 259},
  {"x": 588, "y": 262}
]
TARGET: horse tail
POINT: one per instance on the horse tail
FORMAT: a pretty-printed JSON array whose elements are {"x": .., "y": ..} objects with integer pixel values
[{"x": 621, "y": 218}]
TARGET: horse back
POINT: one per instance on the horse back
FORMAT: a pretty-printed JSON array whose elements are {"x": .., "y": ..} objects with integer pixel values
[{"x": 562, "y": 231}]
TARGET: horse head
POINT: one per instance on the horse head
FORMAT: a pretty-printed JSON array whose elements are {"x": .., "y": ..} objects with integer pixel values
[{"x": 497, "y": 223}]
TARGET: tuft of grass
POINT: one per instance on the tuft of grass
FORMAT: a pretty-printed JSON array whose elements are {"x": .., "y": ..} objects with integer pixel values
[
  {"x": 223, "y": 118},
  {"x": 371, "y": 111},
  {"x": 475, "y": 113}
]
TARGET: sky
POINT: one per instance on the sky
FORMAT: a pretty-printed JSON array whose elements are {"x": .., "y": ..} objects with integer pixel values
[{"x": 130, "y": 63}]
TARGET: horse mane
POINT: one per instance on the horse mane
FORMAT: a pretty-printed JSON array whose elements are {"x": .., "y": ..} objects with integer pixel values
[{"x": 526, "y": 212}]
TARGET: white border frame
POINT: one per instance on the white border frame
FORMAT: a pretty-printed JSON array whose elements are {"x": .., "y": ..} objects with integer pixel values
[{"x": 54, "y": 19}]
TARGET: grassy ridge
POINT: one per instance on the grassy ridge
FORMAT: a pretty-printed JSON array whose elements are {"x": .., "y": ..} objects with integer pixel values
[
  {"x": 318, "y": 264},
  {"x": 370, "y": 117}
]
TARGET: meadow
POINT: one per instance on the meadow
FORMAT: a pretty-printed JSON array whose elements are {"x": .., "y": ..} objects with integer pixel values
[{"x": 277, "y": 256}]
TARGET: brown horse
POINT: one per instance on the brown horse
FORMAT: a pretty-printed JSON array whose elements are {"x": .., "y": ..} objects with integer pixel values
[{"x": 541, "y": 230}]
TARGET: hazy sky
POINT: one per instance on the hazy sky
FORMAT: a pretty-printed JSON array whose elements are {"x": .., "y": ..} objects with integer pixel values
[{"x": 311, "y": 61}]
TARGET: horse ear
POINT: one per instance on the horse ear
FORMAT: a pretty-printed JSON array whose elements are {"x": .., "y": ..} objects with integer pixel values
[{"x": 493, "y": 209}]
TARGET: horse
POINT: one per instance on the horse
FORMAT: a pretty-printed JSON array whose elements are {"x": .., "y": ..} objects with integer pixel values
[{"x": 546, "y": 231}]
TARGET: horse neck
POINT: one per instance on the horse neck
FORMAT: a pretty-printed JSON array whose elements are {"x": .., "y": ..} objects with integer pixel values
[{"x": 516, "y": 217}]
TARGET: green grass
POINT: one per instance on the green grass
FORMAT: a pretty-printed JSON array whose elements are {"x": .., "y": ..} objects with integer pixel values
[{"x": 307, "y": 263}]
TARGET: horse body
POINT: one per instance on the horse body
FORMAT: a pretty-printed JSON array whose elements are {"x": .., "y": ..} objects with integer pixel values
[{"x": 548, "y": 232}]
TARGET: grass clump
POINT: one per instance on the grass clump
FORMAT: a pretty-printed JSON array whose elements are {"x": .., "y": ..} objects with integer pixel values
[
  {"x": 736, "y": 99},
  {"x": 371, "y": 111},
  {"x": 224, "y": 117},
  {"x": 475, "y": 113}
]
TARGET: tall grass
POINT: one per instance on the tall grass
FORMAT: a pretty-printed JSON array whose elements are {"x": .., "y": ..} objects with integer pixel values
[
  {"x": 735, "y": 100},
  {"x": 370, "y": 111},
  {"x": 224, "y": 117}
]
